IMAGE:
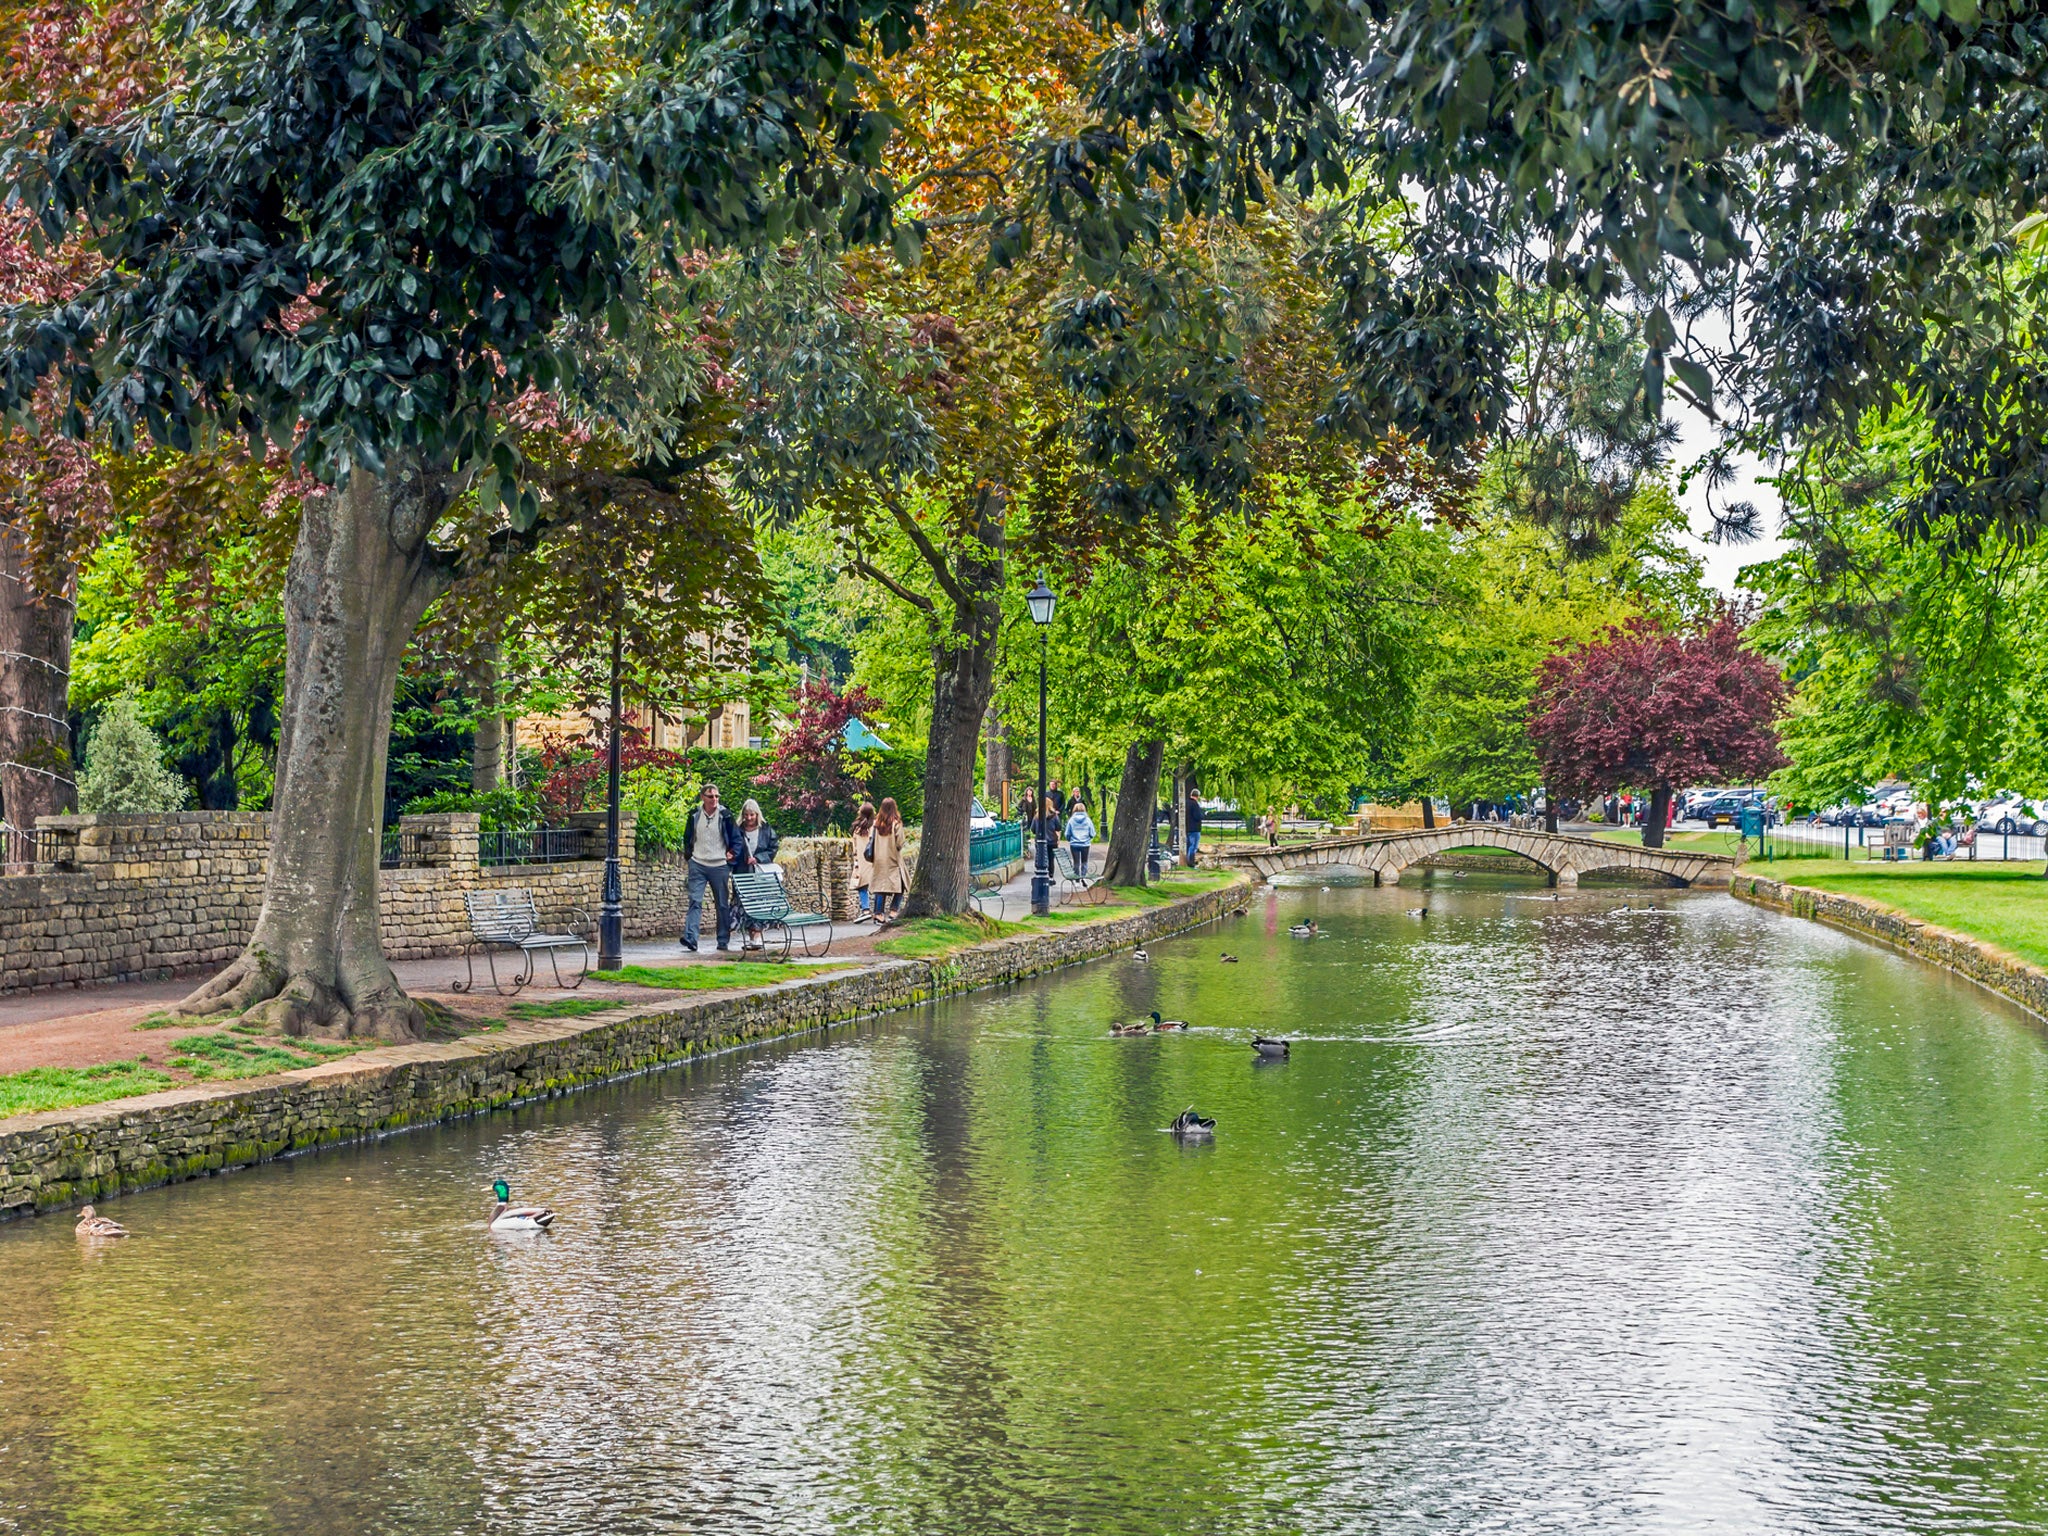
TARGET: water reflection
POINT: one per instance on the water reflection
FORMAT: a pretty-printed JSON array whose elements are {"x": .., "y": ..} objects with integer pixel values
[{"x": 1617, "y": 1212}]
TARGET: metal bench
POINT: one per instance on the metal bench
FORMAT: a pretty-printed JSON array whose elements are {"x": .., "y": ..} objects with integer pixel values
[
  {"x": 1072, "y": 881},
  {"x": 764, "y": 904},
  {"x": 506, "y": 919}
]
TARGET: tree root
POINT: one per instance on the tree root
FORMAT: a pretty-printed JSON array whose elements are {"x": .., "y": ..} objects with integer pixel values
[{"x": 299, "y": 1005}]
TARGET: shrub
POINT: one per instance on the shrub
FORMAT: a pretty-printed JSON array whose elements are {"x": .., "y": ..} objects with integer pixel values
[
  {"x": 502, "y": 809},
  {"x": 124, "y": 766}
]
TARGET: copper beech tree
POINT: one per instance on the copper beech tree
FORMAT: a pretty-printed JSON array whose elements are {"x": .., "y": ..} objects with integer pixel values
[
  {"x": 1646, "y": 708},
  {"x": 353, "y": 233}
]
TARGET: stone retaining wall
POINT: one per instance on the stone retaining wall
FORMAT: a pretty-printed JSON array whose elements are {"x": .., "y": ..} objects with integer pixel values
[
  {"x": 66, "y": 1156},
  {"x": 126, "y": 898},
  {"x": 1990, "y": 967}
]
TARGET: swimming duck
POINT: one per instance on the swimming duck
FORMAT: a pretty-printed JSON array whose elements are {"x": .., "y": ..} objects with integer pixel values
[
  {"x": 1139, "y": 1027},
  {"x": 1418, "y": 912},
  {"x": 1139, "y": 954},
  {"x": 1302, "y": 930},
  {"x": 1269, "y": 1050},
  {"x": 91, "y": 1224},
  {"x": 1163, "y": 1025},
  {"x": 1228, "y": 959},
  {"x": 517, "y": 1218},
  {"x": 1189, "y": 1126}
]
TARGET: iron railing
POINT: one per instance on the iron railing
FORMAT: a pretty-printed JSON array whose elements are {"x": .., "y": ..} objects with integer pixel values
[
  {"x": 532, "y": 845},
  {"x": 17, "y": 844},
  {"x": 991, "y": 847}
]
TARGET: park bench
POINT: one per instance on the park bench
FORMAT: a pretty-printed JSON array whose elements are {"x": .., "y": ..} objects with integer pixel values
[
  {"x": 764, "y": 904},
  {"x": 506, "y": 919},
  {"x": 1072, "y": 881}
]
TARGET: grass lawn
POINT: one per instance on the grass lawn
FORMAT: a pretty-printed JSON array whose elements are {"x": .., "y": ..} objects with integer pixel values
[
  {"x": 236, "y": 1053},
  {"x": 2002, "y": 904},
  {"x": 40, "y": 1088},
  {"x": 934, "y": 938},
  {"x": 688, "y": 978},
  {"x": 1706, "y": 842}
]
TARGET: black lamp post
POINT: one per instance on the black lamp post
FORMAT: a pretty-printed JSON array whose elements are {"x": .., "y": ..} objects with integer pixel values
[
  {"x": 611, "y": 919},
  {"x": 1040, "y": 600}
]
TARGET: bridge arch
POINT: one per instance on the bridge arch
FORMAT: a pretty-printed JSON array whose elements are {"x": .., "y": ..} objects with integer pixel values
[{"x": 1386, "y": 854}]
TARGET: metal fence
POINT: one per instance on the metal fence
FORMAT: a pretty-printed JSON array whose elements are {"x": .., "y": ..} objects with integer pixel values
[
  {"x": 992, "y": 847},
  {"x": 528, "y": 845},
  {"x": 1860, "y": 843},
  {"x": 17, "y": 844}
]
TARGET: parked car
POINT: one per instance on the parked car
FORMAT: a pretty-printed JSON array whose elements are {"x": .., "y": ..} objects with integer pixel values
[
  {"x": 1730, "y": 806},
  {"x": 978, "y": 817},
  {"x": 2014, "y": 813}
]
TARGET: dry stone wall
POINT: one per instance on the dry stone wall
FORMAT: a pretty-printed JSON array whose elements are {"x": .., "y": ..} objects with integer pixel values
[
  {"x": 123, "y": 898},
  {"x": 65, "y": 1156}
]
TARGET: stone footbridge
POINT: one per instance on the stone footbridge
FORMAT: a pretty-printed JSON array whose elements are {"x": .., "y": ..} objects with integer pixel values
[{"x": 1385, "y": 854}]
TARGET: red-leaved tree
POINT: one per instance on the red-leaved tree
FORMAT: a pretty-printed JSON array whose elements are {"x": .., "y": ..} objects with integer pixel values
[
  {"x": 812, "y": 772},
  {"x": 1645, "y": 708}
]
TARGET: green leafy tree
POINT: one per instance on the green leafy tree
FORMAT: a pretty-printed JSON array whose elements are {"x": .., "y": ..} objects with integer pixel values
[
  {"x": 124, "y": 766},
  {"x": 368, "y": 236}
]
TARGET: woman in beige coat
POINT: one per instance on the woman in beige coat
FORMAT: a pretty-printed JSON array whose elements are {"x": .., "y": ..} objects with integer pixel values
[
  {"x": 890, "y": 878},
  {"x": 863, "y": 871}
]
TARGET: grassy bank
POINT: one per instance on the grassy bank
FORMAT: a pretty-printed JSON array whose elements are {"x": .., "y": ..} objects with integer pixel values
[
  {"x": 2001, "y": 904},
  {"x": 934, "y": 938}
]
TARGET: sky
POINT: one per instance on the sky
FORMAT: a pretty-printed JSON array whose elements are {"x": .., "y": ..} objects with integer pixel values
[{"x": 1695, "y": 436}]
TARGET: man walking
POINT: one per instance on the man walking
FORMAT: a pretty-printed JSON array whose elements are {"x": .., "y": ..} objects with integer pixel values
[
  {"x": 711, "y": 843},
  {"x": 1194, "y": 825}
]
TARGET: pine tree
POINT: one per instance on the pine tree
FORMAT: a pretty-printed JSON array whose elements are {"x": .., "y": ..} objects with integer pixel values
[{"x": 124, "y": 766}]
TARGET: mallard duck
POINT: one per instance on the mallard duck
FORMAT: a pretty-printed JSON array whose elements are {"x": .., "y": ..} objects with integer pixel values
[
  {"x": 517, "y": 1218},
  {"x": 1162, "y": 1025},
  {"x": 1137, "y": 1027},
  {"x": 1418, "y": 912},
  {"x": 1228, "y": 959},
  {"x": 91, "y": 1224},
  {"x": 1189, "y": 1126},
  {"x": 1302, "y": 930},
  {"x": 1269, "y": 1050},
  {"x": 1139, "y": 954}
]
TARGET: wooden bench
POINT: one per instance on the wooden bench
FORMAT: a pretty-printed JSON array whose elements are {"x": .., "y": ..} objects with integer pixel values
[
  {"x": 1072, "y": 881},
  {"x": 506, "y": 919},
  {"x": 764, "y": 904}
]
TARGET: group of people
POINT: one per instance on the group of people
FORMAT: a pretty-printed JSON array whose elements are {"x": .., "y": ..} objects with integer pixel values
[
  {"x": 1061, "y": 817},
  {"x": 717, "y": 845},
  {"x": 880, "y": 875}
]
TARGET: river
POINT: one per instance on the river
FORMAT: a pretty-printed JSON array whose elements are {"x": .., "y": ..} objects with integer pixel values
[{"x": 1608, "y": 1212}]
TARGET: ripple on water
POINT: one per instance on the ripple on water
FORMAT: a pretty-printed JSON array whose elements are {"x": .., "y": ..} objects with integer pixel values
[{"x": 1560, "y": 1218}]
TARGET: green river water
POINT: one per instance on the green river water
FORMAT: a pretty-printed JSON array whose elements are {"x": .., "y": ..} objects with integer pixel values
[{"x": 1616, "y": 1212}]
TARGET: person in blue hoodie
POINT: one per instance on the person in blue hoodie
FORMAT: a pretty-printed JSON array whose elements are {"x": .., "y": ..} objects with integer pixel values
[{"x": 1080, "y": 834}]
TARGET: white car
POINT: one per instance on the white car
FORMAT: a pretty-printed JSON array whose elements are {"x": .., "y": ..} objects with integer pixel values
[
  {"x": 978, "y": 818},
  {"x": 2014, "y": 813}
]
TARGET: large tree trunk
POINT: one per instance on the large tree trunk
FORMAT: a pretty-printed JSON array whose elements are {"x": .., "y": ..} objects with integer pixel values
[
  {"x": 995, "y": 766},
  {"x": 1136, "y": 793},
  {"x": 1428, "y": 813},
  {"x": 1660, "y": 813},
  {"x": 963, "y": 681},
  {"x": 360, "y": 581},
  {"x": 1549, "y": 810},
  {"x": 35, "y": 681}
]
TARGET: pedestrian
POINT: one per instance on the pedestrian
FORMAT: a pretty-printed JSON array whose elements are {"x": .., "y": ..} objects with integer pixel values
[
  {"x": 863, "y": 860},
  {"x": 1194, "y": 817},
  {"x": 756, "y": 853},
  {"x": 1080, "y": 834},
  {"x": 890, "y": 877},
  {"x": 1272, "y": 829},
  {"x": 711, "y": 844},
  {"x": 1058, "y": 797}
]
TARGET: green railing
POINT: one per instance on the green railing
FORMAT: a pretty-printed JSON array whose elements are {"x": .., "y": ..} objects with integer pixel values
[{"x": 992, "y": 847}]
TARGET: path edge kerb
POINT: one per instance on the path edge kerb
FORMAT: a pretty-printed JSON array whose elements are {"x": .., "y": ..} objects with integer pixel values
[
  {"x": 1995, "y": 970},
  {"x": 62, "y": 1157}
]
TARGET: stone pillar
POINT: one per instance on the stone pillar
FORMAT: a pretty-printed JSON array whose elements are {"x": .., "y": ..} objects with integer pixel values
[
  {"x": 445, "y": 840},
  {"x": 591, "y": 825}
]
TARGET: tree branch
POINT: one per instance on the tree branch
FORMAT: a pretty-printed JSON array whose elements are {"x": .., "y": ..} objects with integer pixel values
[
  {"x": 876, "y": 573},
  {"x": 933, "y": 557}
]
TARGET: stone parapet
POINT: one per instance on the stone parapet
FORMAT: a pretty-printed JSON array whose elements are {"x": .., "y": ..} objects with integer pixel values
[
  {"x": 126, "y": 898},
  {"x": 65, "y": 1156}
]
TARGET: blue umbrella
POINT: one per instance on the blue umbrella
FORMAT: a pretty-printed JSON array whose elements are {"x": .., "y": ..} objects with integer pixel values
[{"x": 859, "y": 738}]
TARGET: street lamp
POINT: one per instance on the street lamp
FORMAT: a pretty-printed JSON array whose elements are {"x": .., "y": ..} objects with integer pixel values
[
  {"x": 611, "y": 918},
  {"x": 1041, "y": 601}
]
